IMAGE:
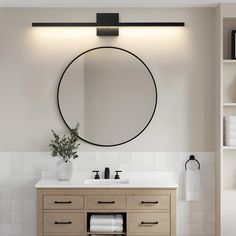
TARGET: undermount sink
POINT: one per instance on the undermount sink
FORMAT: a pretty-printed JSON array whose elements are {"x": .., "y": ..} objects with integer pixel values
[{"x": 106, "y": 181}]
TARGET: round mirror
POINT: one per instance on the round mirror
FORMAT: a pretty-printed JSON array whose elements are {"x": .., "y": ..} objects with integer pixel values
[{"x": 110, "y": 93}]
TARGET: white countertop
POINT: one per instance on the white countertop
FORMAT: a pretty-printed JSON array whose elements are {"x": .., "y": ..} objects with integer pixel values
[{"x": 144, "y": 180}]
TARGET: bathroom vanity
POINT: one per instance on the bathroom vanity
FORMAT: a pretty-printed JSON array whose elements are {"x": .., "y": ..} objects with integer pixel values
[{"x": 65, "y": 208}]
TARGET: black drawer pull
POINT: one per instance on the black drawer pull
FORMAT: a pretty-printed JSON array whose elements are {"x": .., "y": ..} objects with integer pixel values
[
  {"x": 68, "y": 202},
  {"x": 149, "y": 223},
  {"x": 144, "y": 202},
  {"x": 111, "y": 202},
  {"x": 63, "y": 223}
]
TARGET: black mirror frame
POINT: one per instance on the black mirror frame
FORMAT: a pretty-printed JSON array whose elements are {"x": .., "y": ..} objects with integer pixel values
[{"x": 154, "y": 83}]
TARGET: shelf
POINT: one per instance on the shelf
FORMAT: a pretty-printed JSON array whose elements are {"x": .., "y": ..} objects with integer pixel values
[
  {"x": 229, "y": 104},
  {"x": 229, "y": 61},
  {"x": 229, "y": 147},
  {"x": 229, "y": 189}
]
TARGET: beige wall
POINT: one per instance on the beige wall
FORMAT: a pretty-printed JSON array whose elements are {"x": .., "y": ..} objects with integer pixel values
[{"x": 181, "y": 60}]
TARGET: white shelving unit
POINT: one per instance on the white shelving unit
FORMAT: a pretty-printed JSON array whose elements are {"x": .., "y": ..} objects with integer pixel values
[{"x": 226, "y": 105}]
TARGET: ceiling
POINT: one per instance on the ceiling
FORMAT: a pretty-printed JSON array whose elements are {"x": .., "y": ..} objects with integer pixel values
[{"x": 111, "y": 3}]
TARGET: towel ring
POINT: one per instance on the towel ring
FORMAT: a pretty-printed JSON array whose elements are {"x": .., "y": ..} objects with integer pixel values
[{"x": 192, "y": 158}]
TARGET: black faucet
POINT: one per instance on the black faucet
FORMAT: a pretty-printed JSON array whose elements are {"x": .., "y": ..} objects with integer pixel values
[
  {"x": 117, "y": 174},
  {"x": 97, "y": 174},
  {"x": 107, "y": 173}
]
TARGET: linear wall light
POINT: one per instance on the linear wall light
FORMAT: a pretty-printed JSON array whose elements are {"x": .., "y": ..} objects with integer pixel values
[{"x": 107, "y": 24}]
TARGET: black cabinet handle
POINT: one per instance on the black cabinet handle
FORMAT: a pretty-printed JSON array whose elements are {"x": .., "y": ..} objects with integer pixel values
[
  {"x": 149, "y": 223},
  {"x": 63, "y": 223},
  {"x": 144, "y": 202},
  {"x": 101, "y": 202},
  {"x": 68, "y": 202}
]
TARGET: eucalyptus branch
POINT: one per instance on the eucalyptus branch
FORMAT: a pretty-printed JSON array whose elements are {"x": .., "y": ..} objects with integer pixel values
[{"x": 65, "y": 147}]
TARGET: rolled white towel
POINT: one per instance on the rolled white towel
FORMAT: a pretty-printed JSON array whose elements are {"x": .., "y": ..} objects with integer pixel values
[
  {"x": 230, "y": 126},
  {"x": 230, "y": 119},
  {"x": 230, "y": 134},
  {"x": 103, "y": 228},
  {"x": 106, "y": 220},
  {"x": 230, "y": 142}
]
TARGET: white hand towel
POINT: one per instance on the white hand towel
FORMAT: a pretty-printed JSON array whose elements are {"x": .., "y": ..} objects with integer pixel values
[
  {"x": 102, "y": 228},
  {"x": 192, "y": 185},
  {"x": 230, "y": 119},
  {"x": 106, "y": 220}
]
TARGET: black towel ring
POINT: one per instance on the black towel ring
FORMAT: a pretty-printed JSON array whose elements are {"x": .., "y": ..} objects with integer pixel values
[{"x": 192, "y": 158}]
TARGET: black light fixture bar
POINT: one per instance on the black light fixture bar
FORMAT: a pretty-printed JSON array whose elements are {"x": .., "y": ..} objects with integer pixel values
[
  {"x": 120, "y": 24},
  {"x": 107, "y": 24}
]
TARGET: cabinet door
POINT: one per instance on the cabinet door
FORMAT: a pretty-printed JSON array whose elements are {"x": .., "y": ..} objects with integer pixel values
[
  {"x": 149, "y": 202},
  {"x": 106, "y": 202},
  {"x": 61, "y": 222},
  {"x": 64, "y": 202},
  {"x": 149, "y": 223}
]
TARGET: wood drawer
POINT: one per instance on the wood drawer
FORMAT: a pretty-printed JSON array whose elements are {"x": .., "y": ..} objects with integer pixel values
[
  {"x": 149, "y": 223},
  {"x": 149, "y": 202},
  {"x": 106, "y": 202},
  {"x": 64, "y": 202},
  {"x": 63, "y": 222}
]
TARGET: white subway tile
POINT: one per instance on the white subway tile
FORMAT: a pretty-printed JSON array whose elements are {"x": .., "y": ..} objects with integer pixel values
[
  {"x": 5, "y": 217},
  {"x": 16, "y": 193},
  {"x": 4, "y": 181},
  {"x": 16, "y": 217},
  {"x": 29, "y": 206},
  {"x": 28, "y": 217},
  {"x": 5, "y": 193},
  {"x": 5, "y": 205},
  {"x": 5, "y": 167},
  {"x": 137, "y": 161},
  {"x": 16, "y": 229},
  {"x": 29, "y": 230},
  {"x": 16, "y": 205},
  {"x": 16, "y": 164},
  {"x": 5, "y": 229},
  {"x": 149, "y": 161},
  {"x": 29, "y": 193}
]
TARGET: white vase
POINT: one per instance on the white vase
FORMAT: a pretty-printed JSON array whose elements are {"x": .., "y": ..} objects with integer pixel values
[{"x": 64, "y": 170}]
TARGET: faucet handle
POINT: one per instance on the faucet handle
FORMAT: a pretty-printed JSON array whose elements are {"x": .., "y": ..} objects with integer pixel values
[
  {"x": 97, "y": 174},
  {"x": 117, "y": 174}
]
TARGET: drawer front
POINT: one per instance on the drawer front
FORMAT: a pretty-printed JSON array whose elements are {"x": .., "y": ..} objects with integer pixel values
[
  {"x": 106, "y": 202},
  {"x": 63, "y": 222},
  {"x": 149, "y": 202},
  {"x": 149, "y": 223},
  {"x": 64, "y": 202}
]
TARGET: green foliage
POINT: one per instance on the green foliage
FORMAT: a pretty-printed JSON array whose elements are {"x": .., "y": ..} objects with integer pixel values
[{"x": 66, "y": 147}]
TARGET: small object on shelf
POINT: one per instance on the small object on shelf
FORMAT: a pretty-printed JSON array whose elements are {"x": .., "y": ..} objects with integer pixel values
[
  {"x": 230, "y": 130},
  {"x": 106, "y": 223},
  {"x": 233, "y": 38},
  {"x": 192, "y": 158}
]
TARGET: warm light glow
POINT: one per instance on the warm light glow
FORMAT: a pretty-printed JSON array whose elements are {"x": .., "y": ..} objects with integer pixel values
[{"x": 166, "y": 41}]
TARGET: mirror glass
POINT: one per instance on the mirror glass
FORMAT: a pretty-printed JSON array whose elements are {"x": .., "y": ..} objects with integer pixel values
[{"x": 110, "y": 92}]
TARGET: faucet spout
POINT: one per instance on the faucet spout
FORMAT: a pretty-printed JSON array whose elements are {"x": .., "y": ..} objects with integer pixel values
[{"x": 107, "y": 173}]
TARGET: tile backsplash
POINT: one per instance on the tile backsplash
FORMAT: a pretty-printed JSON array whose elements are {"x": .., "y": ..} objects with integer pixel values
[{"x": 19, "y": 171}]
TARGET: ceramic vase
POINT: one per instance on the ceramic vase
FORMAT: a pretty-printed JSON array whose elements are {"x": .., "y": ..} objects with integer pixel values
[{"x": 64, "y": 170}]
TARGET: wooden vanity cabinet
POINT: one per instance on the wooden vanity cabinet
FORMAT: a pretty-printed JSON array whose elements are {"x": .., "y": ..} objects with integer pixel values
[{"x": 66, "y": 212}]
